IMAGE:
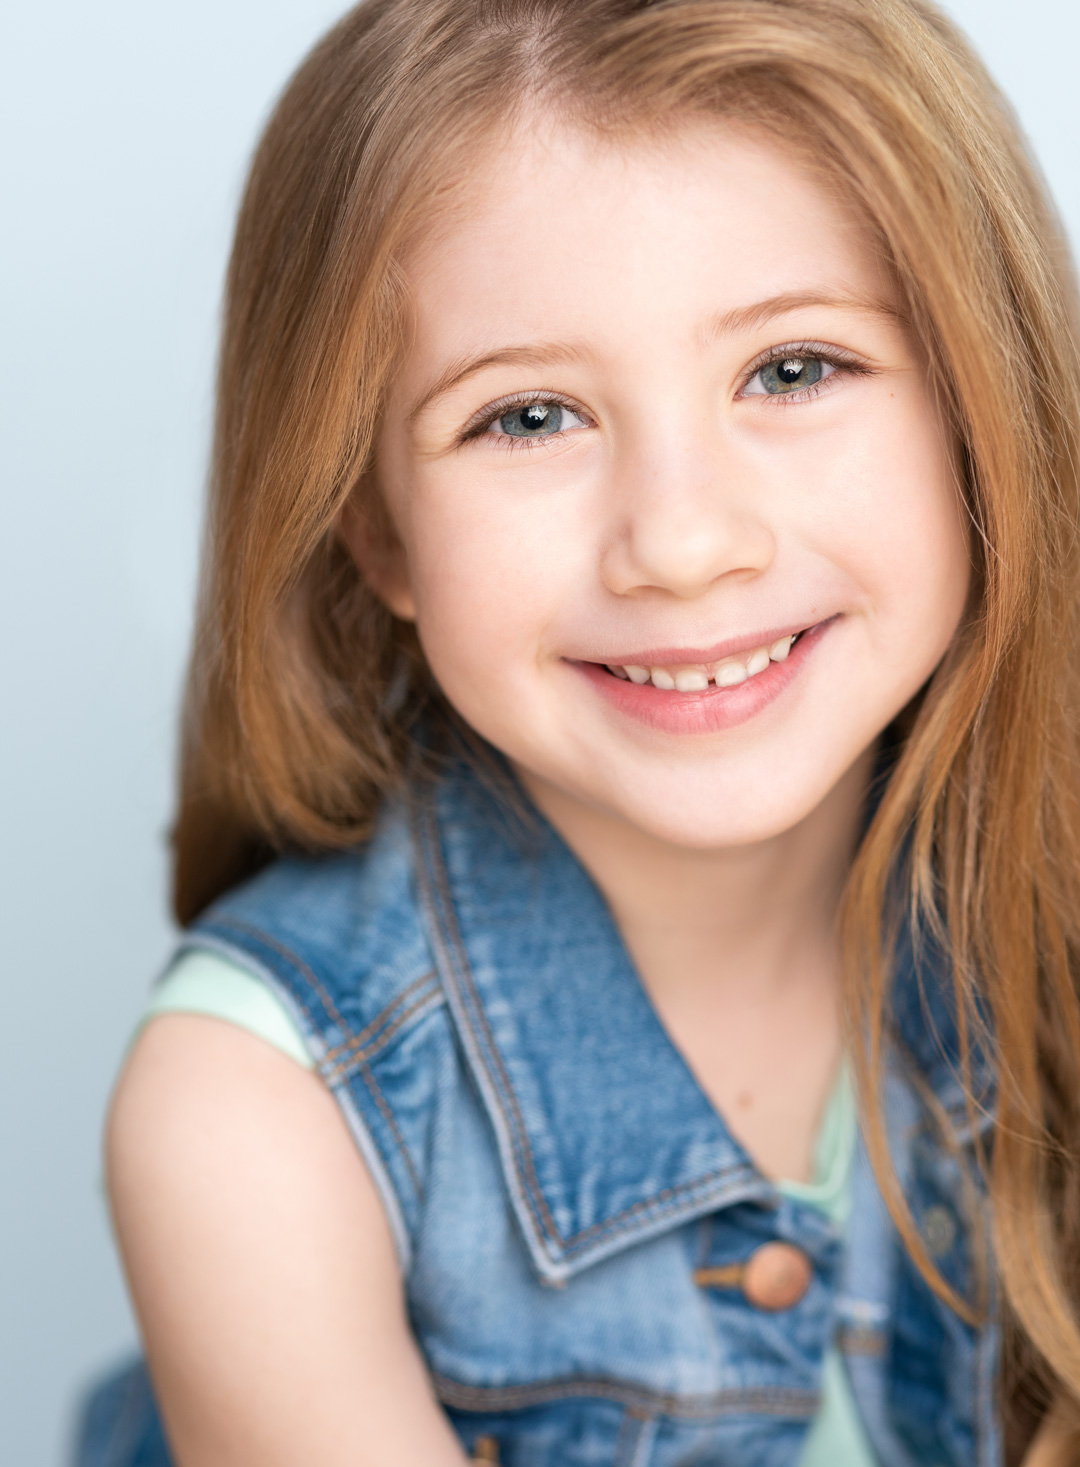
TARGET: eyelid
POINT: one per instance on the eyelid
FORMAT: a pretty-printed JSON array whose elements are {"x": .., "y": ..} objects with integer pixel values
[
  {"x": 836, "y": 356},
  {"x": 483, "y": 418}
]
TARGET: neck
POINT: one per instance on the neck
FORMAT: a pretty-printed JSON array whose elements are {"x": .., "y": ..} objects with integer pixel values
[
  {"x": 737, "y": 949},
  {"x": 757, "y": 914}
]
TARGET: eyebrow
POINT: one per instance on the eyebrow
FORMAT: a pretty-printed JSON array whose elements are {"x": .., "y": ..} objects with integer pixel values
[
  {"x": 726, "y": 323},
  {"x": 536, "y": 354},
  {"x": 745, "y": 318}
]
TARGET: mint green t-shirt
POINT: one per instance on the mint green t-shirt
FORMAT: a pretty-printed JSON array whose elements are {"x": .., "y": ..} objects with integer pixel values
[{"x": 206, "y": 983}]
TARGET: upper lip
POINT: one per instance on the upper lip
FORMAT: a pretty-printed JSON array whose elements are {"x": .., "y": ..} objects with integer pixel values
[{"x": 690, "y": 656}]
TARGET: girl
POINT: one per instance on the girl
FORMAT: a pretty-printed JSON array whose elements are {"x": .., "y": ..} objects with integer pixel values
[{"x": 633, "y": 713}]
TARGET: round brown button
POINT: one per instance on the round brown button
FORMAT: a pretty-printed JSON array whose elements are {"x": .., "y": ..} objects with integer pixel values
[{"x": 776, "y": 1276}]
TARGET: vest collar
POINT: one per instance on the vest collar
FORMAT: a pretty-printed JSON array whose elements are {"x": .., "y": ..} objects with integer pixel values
[{"x": 604, "y": 1135}]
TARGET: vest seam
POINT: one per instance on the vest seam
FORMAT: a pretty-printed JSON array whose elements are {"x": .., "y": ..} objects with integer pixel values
[
  {"x": 344, "y": 1056},
  {"x": 666, "y": 1201},
  {"x": 388, "y": 1116},
  {"x": 336, "y": 1074},
  {"x": 662, "y": 1202},
  {"x": 239, "y": 925},
  {"x": 455, "y": 947},
  {"x": 355, "y": 1038},
  {"x": 765, "y": 1400},
  {"x": 361, "y": 1036},
  {"x": 373, "y": 1155}
]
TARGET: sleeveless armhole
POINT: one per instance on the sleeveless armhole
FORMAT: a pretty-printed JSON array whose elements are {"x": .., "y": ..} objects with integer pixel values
[
  {"x": 200, "y": 982},
  {"x": 204, "y": 982}
]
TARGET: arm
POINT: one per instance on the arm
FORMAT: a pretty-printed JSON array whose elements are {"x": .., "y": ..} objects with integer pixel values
[{"x": 261, "y": 1263}]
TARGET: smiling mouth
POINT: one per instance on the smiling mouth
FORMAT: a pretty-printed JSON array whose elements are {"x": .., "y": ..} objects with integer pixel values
[{"x": 699, "y": 677}]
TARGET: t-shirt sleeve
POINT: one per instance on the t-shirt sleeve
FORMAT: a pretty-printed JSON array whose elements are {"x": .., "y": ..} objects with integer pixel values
[{"x": 207, "y": 983}]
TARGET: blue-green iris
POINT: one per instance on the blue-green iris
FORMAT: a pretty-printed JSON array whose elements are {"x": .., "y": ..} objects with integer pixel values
[
  {"x": 789, "y": 374},
  {"x": 534, "y": 420}
]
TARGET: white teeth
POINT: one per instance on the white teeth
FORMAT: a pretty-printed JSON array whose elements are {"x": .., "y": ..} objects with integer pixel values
[{"x": 730, "y": 674}]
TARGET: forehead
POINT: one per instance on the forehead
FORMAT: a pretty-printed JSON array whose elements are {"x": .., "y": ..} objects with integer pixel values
[{"x": 557, "y": 230}]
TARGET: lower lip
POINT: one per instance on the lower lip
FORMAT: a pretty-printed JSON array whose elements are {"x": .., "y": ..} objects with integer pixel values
[{"x": 712, "y": 710}]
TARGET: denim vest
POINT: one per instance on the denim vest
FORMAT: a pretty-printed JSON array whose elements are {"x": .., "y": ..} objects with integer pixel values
[{"x": 558, "y": 1184}]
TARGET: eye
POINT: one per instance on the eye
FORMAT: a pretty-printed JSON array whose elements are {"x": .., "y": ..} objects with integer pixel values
[
  {"x": 540, "y": 418},
  {"x": 793, "y": 372}
]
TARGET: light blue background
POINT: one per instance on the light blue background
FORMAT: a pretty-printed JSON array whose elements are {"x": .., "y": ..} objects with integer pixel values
[{"x": 126, "y": 126}]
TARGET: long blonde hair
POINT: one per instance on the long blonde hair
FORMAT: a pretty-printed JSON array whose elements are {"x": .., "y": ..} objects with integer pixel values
[{"x": 303, "y": 687}]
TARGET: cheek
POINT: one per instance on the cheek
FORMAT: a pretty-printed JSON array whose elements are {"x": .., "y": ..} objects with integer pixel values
[
  {"x": 924, "y": 570},
  {"x": 888, "y": 509},
  {"x": 488, "y": 577}
]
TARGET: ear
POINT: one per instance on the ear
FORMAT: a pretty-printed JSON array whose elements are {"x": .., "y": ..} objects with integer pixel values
[{"x": 371, "y": 539}]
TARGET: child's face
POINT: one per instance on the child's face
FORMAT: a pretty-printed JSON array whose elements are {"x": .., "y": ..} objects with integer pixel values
[{"x": 659, "y": 413}]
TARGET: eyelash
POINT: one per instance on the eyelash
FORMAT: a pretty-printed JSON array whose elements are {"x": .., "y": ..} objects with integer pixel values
[
  {"x": 841, "y": 361},
  {"x": 478, "y": 425}
]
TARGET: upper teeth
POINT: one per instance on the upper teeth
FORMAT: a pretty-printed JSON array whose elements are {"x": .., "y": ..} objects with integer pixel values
[{"x": 696, "y": 679}]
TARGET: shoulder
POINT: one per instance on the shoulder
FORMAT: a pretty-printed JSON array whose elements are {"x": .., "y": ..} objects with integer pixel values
[
  {"x": 229, "y": 1171},
  {"x": 339, "y": 937},
  {"x": 341, "y": 942}
]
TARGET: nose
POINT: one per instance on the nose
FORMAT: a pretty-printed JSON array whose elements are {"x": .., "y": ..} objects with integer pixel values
[{"x": 683, "y": 518}]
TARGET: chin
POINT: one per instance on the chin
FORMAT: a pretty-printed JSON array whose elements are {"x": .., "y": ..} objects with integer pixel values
[{"x": 700, "y": 819}]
